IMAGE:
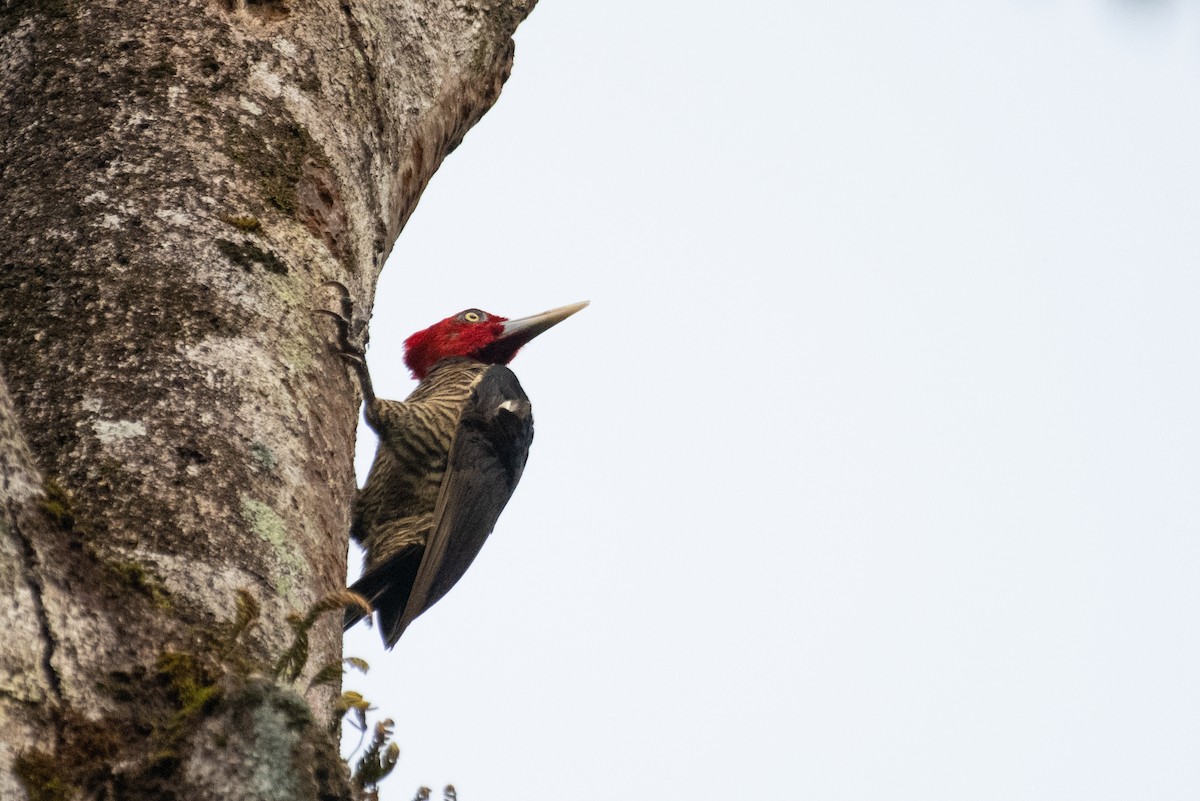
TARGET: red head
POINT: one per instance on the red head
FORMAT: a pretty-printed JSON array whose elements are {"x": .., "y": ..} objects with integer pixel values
[{"x": 475, "y": 334}]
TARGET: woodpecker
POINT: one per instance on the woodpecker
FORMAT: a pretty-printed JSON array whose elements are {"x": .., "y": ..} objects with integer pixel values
[{"x": 449, "y": 457}]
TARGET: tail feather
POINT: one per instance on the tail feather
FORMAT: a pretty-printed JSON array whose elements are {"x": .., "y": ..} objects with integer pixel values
[
  {"x": 386, "y": 588},
  {"x": 372, "y": 586}
]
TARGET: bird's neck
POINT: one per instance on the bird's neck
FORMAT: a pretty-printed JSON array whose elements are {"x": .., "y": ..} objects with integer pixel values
[{"x": 449, "y": 377}]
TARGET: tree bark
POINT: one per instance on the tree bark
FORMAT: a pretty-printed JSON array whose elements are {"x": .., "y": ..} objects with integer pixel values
[{"x": 177, "y": 181}]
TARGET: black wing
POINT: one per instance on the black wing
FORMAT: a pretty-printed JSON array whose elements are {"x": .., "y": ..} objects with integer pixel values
[{"x": 486, "y": 460}]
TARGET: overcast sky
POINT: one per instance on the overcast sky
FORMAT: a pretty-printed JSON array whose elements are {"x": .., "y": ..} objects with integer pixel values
[{"x": 872, "y": 471}]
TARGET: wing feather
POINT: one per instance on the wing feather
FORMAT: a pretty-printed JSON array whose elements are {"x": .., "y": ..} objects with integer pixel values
[{"x": 487, "y": 457}]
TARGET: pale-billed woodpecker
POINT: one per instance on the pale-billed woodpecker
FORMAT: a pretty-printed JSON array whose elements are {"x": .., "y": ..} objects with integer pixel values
[{"x": 448, "y": 460}]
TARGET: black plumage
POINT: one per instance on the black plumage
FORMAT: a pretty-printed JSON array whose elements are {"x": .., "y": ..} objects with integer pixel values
[{"x": 449, "y": 459}]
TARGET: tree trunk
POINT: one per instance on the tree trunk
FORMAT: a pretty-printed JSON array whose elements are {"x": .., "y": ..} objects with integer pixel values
[{"x": 177, "y": 181}]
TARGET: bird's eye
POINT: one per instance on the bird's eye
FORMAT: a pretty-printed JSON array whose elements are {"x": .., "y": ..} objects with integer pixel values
[{"x": 472, "y": 316}]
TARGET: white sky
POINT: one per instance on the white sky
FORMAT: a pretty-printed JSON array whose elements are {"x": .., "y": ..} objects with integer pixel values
[{"x": 872, "y": 471}]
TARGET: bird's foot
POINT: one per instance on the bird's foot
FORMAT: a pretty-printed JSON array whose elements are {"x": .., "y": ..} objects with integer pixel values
[{"x": 352, "y": 340}]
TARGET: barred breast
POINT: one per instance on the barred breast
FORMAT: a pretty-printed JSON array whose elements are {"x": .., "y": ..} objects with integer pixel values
[{"x": 394, "y": 509}]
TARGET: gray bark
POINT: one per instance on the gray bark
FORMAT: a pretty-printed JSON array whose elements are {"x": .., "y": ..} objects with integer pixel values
[{"x": 176, "y": 182}]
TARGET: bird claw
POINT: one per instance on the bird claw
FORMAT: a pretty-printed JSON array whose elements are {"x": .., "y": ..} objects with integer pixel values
[{"x": 351, "y": 341}]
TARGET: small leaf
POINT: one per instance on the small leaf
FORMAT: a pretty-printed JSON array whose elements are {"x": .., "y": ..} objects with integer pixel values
[
  {"x": 336, "y": 602},
  {"x": 379, "y": 759},
  {"x": 352, "y": 704},
  {"x": 333, "y": 671},
  {"x": 292, "y": 661},
  {"x": 326, "y": 675},
  {"x": 388, "y": 761},
  {"x": 247, "y": 612}
]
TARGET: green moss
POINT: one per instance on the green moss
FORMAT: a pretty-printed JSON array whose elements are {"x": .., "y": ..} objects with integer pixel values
[
  {"x": 89, "y": 747},
  {"x": 136, "y": 576},
  {"x": 185, "y": 695},
  {"x": 200, "y": 700},
  {"x": 139, "y": 755},
  {"x": 83, "y": 760},
  {"x": 39, "y": 772},
  {"x": 272, "y": 150},
  {"x": 248, "y": 254},
  {"x": 56, "y": 505},
  {"x": 243, "y": 222},
  {"x": 194, "y": 689},
  {"x": 280, "y": 192}
]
